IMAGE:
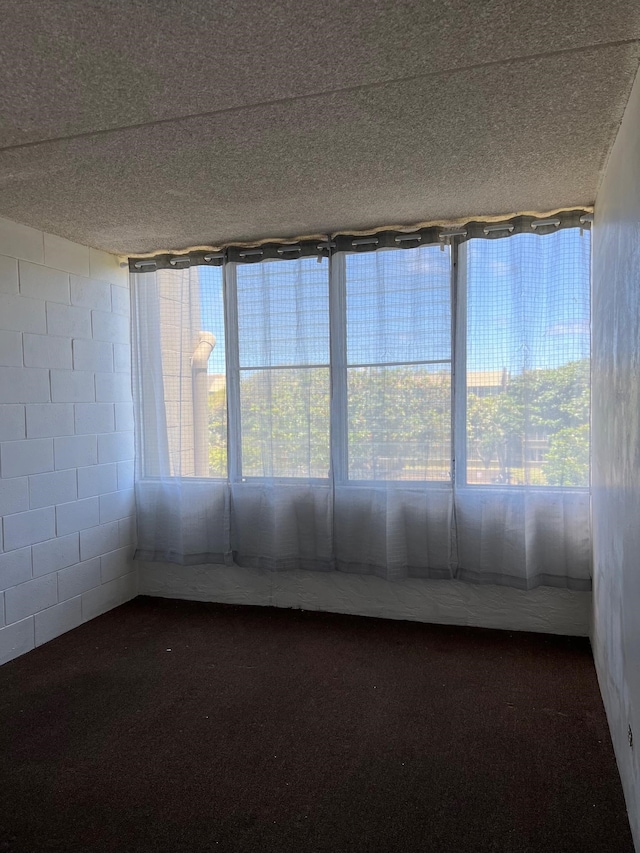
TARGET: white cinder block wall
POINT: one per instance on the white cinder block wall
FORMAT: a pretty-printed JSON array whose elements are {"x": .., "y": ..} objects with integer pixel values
[{"x": 66, "y": 437}]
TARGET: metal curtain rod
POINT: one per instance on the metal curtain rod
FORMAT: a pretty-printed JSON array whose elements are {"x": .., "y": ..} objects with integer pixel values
[{"x": 398, "y": 238}]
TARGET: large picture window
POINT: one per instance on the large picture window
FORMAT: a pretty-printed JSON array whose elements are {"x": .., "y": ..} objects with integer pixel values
[
  {"x": 404, "y": 403},
  {"x": 343, "y": 367}
]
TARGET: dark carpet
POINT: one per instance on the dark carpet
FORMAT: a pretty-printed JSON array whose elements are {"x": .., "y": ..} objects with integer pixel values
[{"x": 179, "y": 726}]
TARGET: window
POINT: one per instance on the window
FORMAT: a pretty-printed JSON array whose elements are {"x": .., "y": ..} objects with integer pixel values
[
  {"x": 401, "y": 404},
  {"x": 283, "y": 366},
  {"x": 527, "y": 359},
  {"x": 339, "y": 366},
  {"x": 398, "y": 366}
]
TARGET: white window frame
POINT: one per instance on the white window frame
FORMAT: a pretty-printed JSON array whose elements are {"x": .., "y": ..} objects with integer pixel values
[
  {"x": 338, "y": 372},
  {"x": 338, "y": 367}
]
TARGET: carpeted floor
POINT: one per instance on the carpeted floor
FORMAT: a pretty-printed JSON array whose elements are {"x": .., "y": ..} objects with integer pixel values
[{"x": 179, "y": 726}]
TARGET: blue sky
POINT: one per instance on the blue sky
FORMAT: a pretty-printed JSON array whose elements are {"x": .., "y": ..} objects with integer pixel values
[
  {"x": 528, "y": 301},
  {"x": 528, "y": 305},
  {"x": 213, "y": 314}
]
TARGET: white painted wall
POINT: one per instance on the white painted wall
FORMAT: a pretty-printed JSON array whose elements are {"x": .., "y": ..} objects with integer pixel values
[
  {"x": 66, "y": 437},
  {"x": 547, "y": 610},
  {"x": 616, "y": 448}
]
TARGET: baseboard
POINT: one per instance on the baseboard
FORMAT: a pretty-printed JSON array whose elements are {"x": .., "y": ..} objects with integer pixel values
[{"x": 544, "y": 610}]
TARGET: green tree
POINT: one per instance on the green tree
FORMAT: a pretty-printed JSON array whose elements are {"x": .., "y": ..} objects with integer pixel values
[
  {"x": 567, "y": 461},
  {"x": 537, "y": 407},
  {"x": 557, "y": 398},
  {"x": 399, "y": 423},
  {"x": 218, "y": 433},
  {"x": 493, "y": 424},
  {"x": 285, "y": 423}
]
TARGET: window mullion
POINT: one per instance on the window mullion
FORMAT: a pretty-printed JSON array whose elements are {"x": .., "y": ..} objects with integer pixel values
[
  {"x": 232, "y": 354},
  {"x": 338, "y": 367},
  {"x": 459, "y": 342}
]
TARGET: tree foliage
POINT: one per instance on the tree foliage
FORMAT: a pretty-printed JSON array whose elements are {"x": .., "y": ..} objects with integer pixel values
[
  {"x": 218, "y": 433},
  {"x": 399, "y": 425},
  {"x": 543, "y": 410},
  {"x": 285, "y": 423},
  {"x": 567, "y": 462}
]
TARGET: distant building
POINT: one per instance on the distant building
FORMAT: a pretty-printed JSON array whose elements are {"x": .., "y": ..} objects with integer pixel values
[
  {"x": 484, "y": 383},
  {"x": 179, "y": 328}
]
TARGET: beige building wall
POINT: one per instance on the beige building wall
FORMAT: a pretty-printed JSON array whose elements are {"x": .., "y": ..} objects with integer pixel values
[{"x": 180, "y": 322}]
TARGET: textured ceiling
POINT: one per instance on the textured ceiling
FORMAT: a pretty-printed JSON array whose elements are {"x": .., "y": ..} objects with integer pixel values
[{"x": 144, "y": 125}]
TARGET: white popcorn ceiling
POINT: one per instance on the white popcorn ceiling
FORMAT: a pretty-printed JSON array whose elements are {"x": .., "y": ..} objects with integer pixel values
[{"x": 136, "y": 126}]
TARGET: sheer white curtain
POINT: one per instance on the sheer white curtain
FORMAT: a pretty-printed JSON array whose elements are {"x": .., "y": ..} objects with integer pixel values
[
  {"x": 343, "y": 413},
  {"x": 279, "y": 385},
  {"x": 181, "y": 482},
  {"x": 392, "y": 412},
  {"x": 304, "y": 411},
  {"x": 522, "y": 499}
]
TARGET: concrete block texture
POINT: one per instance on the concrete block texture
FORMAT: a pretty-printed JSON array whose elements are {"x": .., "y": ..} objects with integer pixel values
[{"x": 67, "y": 513}]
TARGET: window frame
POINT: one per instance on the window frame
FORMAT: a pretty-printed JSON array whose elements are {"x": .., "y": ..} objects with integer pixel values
[
  {"x": 338, "y": 377},
  {"x": 234, "y": 371},
  {"x": 459, "y": 384},
  {"x": 341, "y": 367},
  {"x": 336, "y": 254}
]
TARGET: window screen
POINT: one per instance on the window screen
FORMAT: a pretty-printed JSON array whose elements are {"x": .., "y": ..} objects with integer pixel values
[
  {"x": 527, "y": 359},
  {"x": 398, "y": 330},
  {"x": 283, "y": 340},
  {"x": 341, "y": 367}
]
